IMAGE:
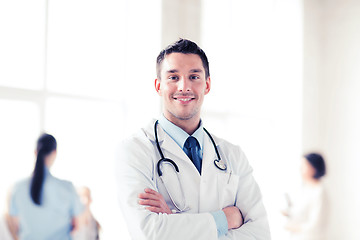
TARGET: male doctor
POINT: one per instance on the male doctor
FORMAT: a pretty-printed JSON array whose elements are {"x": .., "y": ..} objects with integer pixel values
[{"x": 175, "y": 179}]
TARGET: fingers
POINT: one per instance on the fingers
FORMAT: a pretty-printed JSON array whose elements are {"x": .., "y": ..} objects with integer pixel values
[
  {"x": 152, "y": 203},
  {"x": 149, "y": 190},
  {"x": 155, "y": 209},
  {"x": 150, "y": 194},
  {"x": 151, "y": 198}
]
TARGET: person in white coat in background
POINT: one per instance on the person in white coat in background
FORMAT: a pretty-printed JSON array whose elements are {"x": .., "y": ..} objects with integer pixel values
[
  {"x": 308, "y": 212},
  {"x": 175, "y": 179}
]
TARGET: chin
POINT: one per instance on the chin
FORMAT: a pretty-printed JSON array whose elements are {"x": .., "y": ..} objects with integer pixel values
[{"x": 183, "y": 117}]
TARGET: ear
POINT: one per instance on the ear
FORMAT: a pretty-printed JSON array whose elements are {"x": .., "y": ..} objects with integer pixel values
[
  {"x": 157, "y": 86},
  {"x": 208, "y": 85}
]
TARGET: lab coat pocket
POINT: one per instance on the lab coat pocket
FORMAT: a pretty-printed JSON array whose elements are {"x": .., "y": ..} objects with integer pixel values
[{"x": 227, "y": 189}]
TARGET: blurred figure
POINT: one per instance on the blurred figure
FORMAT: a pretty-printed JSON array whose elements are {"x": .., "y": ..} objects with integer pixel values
[
  {"x": 306, "y": 214},
  {"x": 43, "y": 207},
  {"x": 89, "y": 227},
  {"x": 5, "y": 233},
  {"x": 7, "y": 227}
]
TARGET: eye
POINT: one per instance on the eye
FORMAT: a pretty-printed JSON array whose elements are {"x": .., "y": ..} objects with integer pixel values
[
  {"x": 173, "y": 77},
  {"x": 194, "y": 77}
]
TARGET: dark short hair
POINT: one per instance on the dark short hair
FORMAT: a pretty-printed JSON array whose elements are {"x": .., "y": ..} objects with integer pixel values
[
  {"x": 318, "y": 163},
  {"x": 183, "y": 46}
]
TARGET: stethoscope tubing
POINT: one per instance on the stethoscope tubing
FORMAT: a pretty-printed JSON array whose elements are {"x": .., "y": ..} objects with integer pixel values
[{"x": 218, "y": 163}]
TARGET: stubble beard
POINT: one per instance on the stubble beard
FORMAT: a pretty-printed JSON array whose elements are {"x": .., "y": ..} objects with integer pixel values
[{"x": 186, "y": 117}]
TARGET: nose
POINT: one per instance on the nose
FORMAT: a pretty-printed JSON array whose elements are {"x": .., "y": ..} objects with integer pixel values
[{"x": 184, "y": 85}]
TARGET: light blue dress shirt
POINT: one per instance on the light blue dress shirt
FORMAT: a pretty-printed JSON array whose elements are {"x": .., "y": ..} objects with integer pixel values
[
  {"x": 180, "y": 136},
  {"x": 50, "y": 220}
]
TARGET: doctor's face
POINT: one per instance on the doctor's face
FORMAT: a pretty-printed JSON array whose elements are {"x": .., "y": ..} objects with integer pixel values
[{"x": 182, "y": 86}]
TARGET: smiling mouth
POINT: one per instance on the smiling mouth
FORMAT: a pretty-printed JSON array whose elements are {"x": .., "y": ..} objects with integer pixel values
[{"x": 184, "y": 99}]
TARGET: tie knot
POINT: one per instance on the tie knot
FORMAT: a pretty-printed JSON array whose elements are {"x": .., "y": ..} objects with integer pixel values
[{"x": 191, "y": 142}]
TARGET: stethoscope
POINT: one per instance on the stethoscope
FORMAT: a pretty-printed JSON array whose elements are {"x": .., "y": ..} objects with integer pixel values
[{"x": 219, "y": 163}]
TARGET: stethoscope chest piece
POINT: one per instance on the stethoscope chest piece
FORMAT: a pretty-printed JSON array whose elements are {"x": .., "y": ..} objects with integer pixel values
[{"x": 220, "y": 164}]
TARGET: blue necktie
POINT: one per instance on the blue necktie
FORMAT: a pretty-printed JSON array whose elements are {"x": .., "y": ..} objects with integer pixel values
[{"x": 191, "y": 149}]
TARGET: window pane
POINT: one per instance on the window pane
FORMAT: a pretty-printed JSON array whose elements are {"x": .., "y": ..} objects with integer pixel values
[
  {"x": 22, "y": 43},
  {"x": 85, "y": 48},
  {"x": 19, "y": 128}
]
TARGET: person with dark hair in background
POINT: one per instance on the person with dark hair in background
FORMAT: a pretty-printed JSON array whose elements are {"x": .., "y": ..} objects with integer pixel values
[
  {"x": 177, "y": 180},
  {"x": 43, "y": 207},
  {"x": 307, "y": 213}
]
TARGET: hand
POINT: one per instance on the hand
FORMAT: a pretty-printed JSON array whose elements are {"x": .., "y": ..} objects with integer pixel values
[
  {"x": 292, "y": 228},
  {"x": 233, "y": 216},
  {"x": 285, "y": 213},
  {"x": 154, "y": 201}
]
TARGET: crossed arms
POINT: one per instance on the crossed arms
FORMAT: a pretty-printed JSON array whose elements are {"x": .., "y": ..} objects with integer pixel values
[{"x": 149, "y": 217}]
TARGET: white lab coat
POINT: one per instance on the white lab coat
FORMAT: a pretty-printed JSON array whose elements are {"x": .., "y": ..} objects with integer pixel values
[
  {"x": 212, "y": 191},
  {"x": 309, "y": 213}
]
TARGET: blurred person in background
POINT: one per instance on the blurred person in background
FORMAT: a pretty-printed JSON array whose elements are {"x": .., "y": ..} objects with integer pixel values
[
  {"x": 307, "y": 212},
  {"x": 89, "y": 227},
  {"x": 6, "y": 225},
  {"x": 43, "y": 207},
  {"x": 5, "y": 233}
]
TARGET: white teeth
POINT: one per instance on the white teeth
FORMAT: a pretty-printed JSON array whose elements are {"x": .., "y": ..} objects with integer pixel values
[{"x": 185, "y": 99}]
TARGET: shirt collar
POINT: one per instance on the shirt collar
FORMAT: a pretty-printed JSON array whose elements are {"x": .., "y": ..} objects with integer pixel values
[
  {"x": 179, "y": 135},
  {"x": 47, "y": 171}
]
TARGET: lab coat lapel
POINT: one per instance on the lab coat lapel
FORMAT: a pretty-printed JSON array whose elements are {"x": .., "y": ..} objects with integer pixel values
[
  {"x": 172, "y": 149},
  {"x": 209, "y": 155},
  {"x": 209, "y": 187},
  {"x": 168, "y": 145}
]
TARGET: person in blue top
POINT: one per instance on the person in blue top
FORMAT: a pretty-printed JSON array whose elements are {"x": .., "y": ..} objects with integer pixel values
[{"x": 42, "y": 206}]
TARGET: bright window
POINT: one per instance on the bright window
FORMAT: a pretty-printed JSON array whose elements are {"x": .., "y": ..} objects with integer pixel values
[{"x": 22, "y": 28}]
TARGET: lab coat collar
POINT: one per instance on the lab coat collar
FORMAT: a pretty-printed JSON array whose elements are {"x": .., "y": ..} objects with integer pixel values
[
  {"x": 168, "y": 145},
  {"x": 149, "y": 132},
  {"x": 179, "y": 135}
]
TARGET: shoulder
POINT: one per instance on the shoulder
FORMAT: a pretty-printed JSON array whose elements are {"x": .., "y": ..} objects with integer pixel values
[
  {"x": 137, "y": 139},
  {"x": 319, "y": 190},
  {"x": 21, "y": 185},
  {"x": 233, "y": 154},
  {"x": 142, "y": 139},
  {"x": 135, "y": 155},
  {"x": 64, "y": 185},
  {"x": 135, "y": 149},
  {"x": 231, "y": 148}
]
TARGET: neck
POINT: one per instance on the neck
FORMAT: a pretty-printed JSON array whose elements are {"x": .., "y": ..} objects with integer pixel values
[
  {"x": 188, "y": 125},
  {"x": 312, "y": 181}
]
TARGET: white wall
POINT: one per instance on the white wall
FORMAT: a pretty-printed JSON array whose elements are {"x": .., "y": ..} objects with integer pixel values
[
  {"x": 180, "y": 19},
  {"x": 331, "y": 104}
]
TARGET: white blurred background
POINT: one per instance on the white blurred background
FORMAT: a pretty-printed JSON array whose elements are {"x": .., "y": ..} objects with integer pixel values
[{"x": 285, "y": 80}]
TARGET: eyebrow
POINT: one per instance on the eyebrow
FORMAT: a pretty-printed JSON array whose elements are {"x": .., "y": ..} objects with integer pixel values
[
  {"x": 192, "y": 70},
  {"x": 172, "y": 71},
  {"x": 195, "y": 70}
]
